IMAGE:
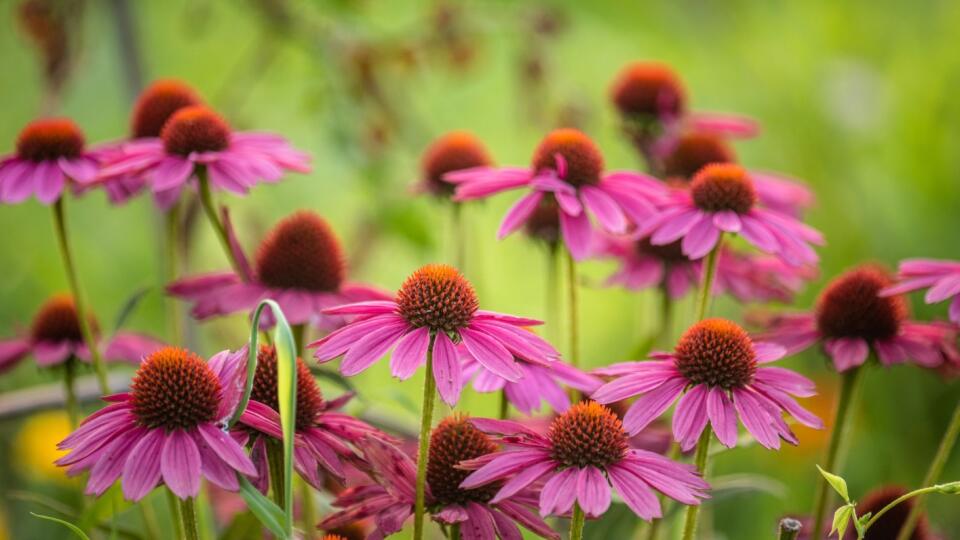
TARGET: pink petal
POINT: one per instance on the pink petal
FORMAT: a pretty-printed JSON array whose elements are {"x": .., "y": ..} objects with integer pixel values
[
  {"x": 180, "y": 464},
  {"x": 723, "y": 417},
  {"x": 690, "y": 417},
  {"x": 559, "y": 492},
  {"x": 847, "y": 353},
  {"x": 652, "y": 404},
  {"x": 491, "y": 354},
  {"x": 141, "y": 472},
  {"x": 518, "y": 214},
  {"x": 701, "y": 239},
  {"x": 446, "y": 369},
  {"x": 605, "y": 209},
  {"x": 635, "y": 493},
  {"x": 48, "y": 181},
  {"x": 524, "y": 478},
  {"x": 593, "y": 492},
  {"x": 226, "y": 449},
  {"x": 576, "y": 234},
  {"x": 410, "y": 353},
  {"x": 727, "y": 220}
]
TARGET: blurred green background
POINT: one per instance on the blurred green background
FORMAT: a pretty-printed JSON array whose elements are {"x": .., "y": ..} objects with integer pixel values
[{"x": 857, "y": 98}]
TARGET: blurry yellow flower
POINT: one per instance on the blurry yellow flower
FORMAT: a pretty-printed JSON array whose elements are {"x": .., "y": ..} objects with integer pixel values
[{"x": 35, "y": 446}]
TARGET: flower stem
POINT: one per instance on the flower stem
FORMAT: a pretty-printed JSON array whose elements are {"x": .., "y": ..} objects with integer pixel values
[
  {"x": 574, "y": 326},
  {"x": 552, "y": 300},
  {"x": 933, "y": 473},
  {"x": 700, "y": 460},
  {"x": 298, "y": 332},
  {"x": 666, "y": 318},
  {"x": 174, "y": 503},
  {"x": 849, "y": 386},
  {"x": 308, "y": 512},
  {"x": 426, "y": 422},
  {"x": 454, "y": 532},
  {"x": 210, "y": 209},
  {"x": 70, "y": 392},
  {"x": 188, "y": 514},
  {"x": 577, "y": 522},
  {"x": 898, "y": 500},
  {"x": 60, "y": 226},
  {"x": 789, "y": 529},
  {"x": 504, "y": 406},
  {"x": 172, "y": 270},
  {"x": 275, "y": 463},
  {"x": 706, "y": 286},
  {"x": 459, "y": 236}
]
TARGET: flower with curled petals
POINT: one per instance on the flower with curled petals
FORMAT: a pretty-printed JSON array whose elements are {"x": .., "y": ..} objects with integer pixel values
[
  {"x": 167, "y": 429},
  {"x": 723, "y": 198},
  {"x": 436, "y": 306},
  {"x": 568, "y": 167},
  {"x": 941, "y": 279},
  {"x": 717, "y": 373},
  {"x": 856, "y": 314},
  {"x": 584, "y": 453}
]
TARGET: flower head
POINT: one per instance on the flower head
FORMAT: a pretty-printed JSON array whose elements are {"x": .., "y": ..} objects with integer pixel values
[
  {"x": 568, "y": 167},
  {"x": 55, "y": 337},
  {"x": 718, "y": 373},
  {"x": 49, "y": 153},
  {"x": 435, "y": 307},
  {"x": 851, "y": 318},
  {"x": 940, "y": 278},
  {"x": 649, "y": 92},
  {"x": 299, "y": 264},
  {"x": 583, "y": 453},
  {"x": 168, "y": 428},
  {"x": 157, "y": 103},
  {"x": 454, "y": 151}
]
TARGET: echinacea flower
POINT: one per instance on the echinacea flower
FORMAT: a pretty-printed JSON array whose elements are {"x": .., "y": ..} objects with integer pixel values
[
  {"x": 436, "y": 306},
  {"x": 539, "y": 382},
  {"x": 299, "y": 264},
  {"x": 716, "y": 373},
  {"x": 567, "y": 166},
  {"x": 155, "y": 105},
  {"x": 167, "y": 429},
  {"x": 723, "y": 198},
  {"x": 694, "y": 150},
  {"x": 583, "y": 454},
  {"x": 195, "y": 141},
  {"x": 390, "y": 501},
  {"x": 454, "y": 151},
  {"x": 851, "y": 318},
  {"x": 746, "y": 277},
  {"x": 55, "y": 338},
  {"x": 941, "y": 279},
  {"x": 50, "y": 156},
  {"x": 324, "y": 435}
]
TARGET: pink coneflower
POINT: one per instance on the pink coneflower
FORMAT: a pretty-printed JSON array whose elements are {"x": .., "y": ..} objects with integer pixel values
[
  {"x": 539, "y": 382},
  {"x": 155, "y": 105},
  {"x": 940, "y": 277},
  {"x": 851, "y": 318},
  {"x": 454, "y": 151},
  {"x": 437, "y": 305},
  {"x": 299, "y": 264},
  {"x": 55, "y": 338},
  {"x": 568, "y": 167},
  {"x": 718, "y": 374},
  {"x": 50, "y": 155},
  {"x": 195, "y": 141},
  {"x": 390, "y": 501},
  {"x": 584, "y": 452},
  {"x": 168, "y": 429},
  {"x": 324, "y": 435},
  {"x": 694, "y": 150},
  {"x": 746, "y": 277},
  {"x": 723, "y": 198}
]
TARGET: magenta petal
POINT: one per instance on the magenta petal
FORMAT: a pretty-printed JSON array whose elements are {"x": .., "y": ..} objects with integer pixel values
[
  {"x": 756, "y": 419},
  {"x": 518, "y": 214},
  {"x": 847, "y": 353},
  {"x": 524, "y": 478},
  {"x": 227, "y": 449},
  {"x": 141, "y": 472},
  {"x": 410, "y": 353},
  {"x": 446, "y": 369},
  {"x": 559, "y": 492},
  {"x": 371, "y": 347},
  {"x": 16, "y": 182},
  {"x": 339, "y": 341},
  {"x": 593, "y": 493},
  {"x": 605, "y": 209},
  {"x": 372, "y": 307},
  {"x": 111, "y": 461},
  {"x": 723, "y": 417},
  {"x": 503, "y": 465},
  {"x": 701, "y": 238},
  {"x": 652, "y": 404},
  {"x": 180, "y": 464},
  {"x": 479, "y": 526},
  {"x": 576, "y": 234},
  {"x": 48, "y": 181},
  {"x": 635, "y": 493},
  {"x": 631, "y": 385},
  {"x": 506, "y": 528},
  {"x": 727, "y": 220},
  {"x": 12, "y": 351},
  {"x": 491, "y": 354},
  {"x": 690, "y": 417}
]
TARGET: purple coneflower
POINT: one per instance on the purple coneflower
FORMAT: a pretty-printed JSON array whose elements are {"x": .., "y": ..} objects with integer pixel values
[
  {"x": 567, "y": 167},
  {"x": 581, "y": 456},
  {"x": 168, "y": 429},
  {"x": 723, "y": 198},
  {"x": 325, "y": 436},
  {"x": 470, "y": 511},
  {"x": 454, "y": 151},
  {"x": 941, "y": 278},
  {"x": 55, "y": 338},
  {"x": 299, "y": 264},
  {"x": 718, "y": 374},
  {"x": 435, "y": 306},
  {"x": 196, "y": 143},
  {"x": 50, "y": 156}
]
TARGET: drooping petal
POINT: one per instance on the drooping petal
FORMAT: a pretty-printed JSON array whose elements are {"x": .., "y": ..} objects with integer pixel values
[
  {"x": 635, "y": 492},
  {"x": 491, "y": 354},
  {"x": 723, "y": 417},
  {"x": 559, "y": 492},
  {"x": 446, "y": 369},
  {"x": 576, "y": 234},
  {"x": 411, "y": 353},
  {"x": 847, "y": 353},
  {"x": 518, "y": 214},
  {"x": 180, "y": 464},
  {"x": 593, "y": 492},
  {"x": 690, "y": 417},
  {"x": 651, "y": 405},
  {"x": 141, "y": 472},
  {"x": 371, "y": 347},
  {"x": 605, "y": 209}
]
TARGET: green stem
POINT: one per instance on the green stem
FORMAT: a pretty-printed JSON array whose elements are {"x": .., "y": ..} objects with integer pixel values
[
  {"x": 504, "y": 406},
  {"x": 426, "y": 422},
  {"x": 933, "y": 473},
  {"x": 574, "y": 326},
  {"x": 275, "y": 463},
  {"x": 577, "y": 522},
  {"x": 459, "y": 236},
  {"x": 898, "y": 500},
  {"x": 150, "y": 524},
  {"x": 454, "y": 532},
  {"x": 60, "y": 226},
  {"x": 210, "y": 209},
  {"x": 70, "y": 392},
  {"x": 706, "y": 286},
  {"x": 188, "y": 514},
  {"x": 700, "y": 460},
  {"x": 666, "y": 317},
  {"x": 298, "y": 331},
  {"x": 172, "y": 270},
  {"x": 308, "y": 514},
  {"x": 789, "y": 529},
  {"x": 174, "y": 504},
  {"x": 849, "y": 386},
  {"x": 552, "y": 302}
]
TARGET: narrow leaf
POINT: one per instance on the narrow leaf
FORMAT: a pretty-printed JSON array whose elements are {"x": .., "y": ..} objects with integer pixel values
[
  {"x": 76, "y": 530},
  {"x": 129, "y": 306},
  {"x": 266, "y": 511},
  {"x": 841, "y": 520},
  {"x": 838, "y": 484}
]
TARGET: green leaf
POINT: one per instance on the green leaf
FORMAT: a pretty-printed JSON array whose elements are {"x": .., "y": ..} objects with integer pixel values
[
  {"x": 950, "y": 488},
  {"x": 76, "y": 530},
  {"x": 841, "y": 520},
  {"x": 266, "y": 511},
  {"x": 861, "y": 523},
  {"x": 838, "y": 484}
]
